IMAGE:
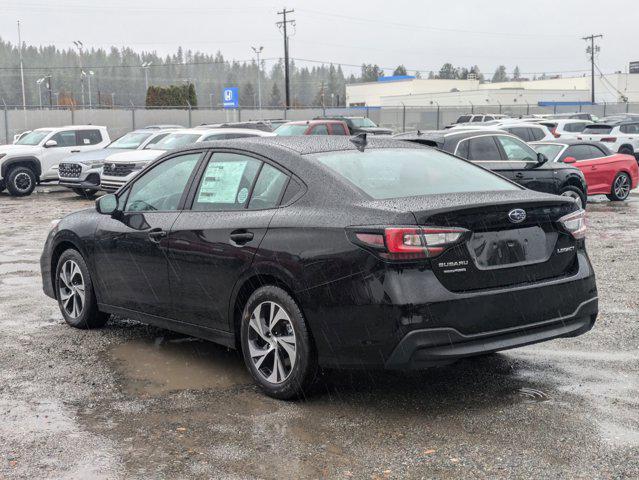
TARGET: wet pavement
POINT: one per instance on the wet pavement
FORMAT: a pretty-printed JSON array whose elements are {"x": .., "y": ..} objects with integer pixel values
[{"x": 133, "y": 401}]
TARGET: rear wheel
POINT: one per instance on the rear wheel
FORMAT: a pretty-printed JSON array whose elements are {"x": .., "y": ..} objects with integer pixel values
[
  {"x": 626, "y": 150},
  {"x": 620, "y": 187},
  {"x": 576, "y": 194},
  {"x": 21, "y": 181},
  {"x": 74, "y": 290},
  {"x": 85, "y": 192},
  {"x": 276, "y": 344}
]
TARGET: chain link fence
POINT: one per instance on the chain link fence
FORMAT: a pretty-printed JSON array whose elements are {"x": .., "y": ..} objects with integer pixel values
[{"x": 122, "y": 119}]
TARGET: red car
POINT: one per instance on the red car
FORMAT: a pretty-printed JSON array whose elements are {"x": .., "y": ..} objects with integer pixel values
[
  {"x": 313, "y": 127},
  {"x": 607, "y": 173}
]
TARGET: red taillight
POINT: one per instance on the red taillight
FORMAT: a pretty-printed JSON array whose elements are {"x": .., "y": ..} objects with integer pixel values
[
  {"x": 554, "y": 132},
  {"x": 409, "y": 243},
  {"x": 608, "y": 139},
  {"x": 575, "y": 223}
]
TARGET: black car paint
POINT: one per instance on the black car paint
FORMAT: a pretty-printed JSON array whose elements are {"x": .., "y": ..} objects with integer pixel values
[
  {"x": 361, "y": 310},
  {"x": 548, "y": 177}
]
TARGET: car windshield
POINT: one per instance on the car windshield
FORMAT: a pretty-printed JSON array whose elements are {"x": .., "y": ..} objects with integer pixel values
[
  {"x": 175, "y": 140},
  {"x": 549, "y": 150},
  {"x": 289, "y": 129},
  {"x": 395, "y": 173},
  {"x": 362, "y": 122},
  {"x": 130, "y": 141},
  {"x": 33, "y": 138}
]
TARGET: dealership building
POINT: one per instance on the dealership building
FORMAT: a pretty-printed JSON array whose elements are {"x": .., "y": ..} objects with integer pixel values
[{"x": 411, "y": 91}]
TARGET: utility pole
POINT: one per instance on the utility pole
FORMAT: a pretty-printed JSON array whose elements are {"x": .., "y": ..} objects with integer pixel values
[
  {"x": 257, "y": 51},
  {"x": 283, "y": 24},
  {"x": 592, "y": 50},
  {"x": 24, "y": 96}
]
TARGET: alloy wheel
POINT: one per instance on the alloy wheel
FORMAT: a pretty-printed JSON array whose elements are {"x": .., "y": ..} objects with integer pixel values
[
  {"x": 22, "y": 181},
  {"x": 271, "y": 342},
  {"x": 71, "y": 289},
  {"x": 575, "y": 196},
  {"x": 622, "y": 186}
]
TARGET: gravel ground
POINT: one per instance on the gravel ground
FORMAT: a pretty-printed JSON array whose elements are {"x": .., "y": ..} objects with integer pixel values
[{"x": 132, "y": 401}]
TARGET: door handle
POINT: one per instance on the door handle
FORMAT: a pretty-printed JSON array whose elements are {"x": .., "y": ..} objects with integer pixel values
[
  {"x": 156, "y": 235},
  {"x": 519, "y": 175},
  {"x": 241, "y": 236},
  {"x": 75, "y": 151}
]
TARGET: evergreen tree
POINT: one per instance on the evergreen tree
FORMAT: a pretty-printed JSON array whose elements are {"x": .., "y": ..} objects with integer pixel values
[
  {"x": 275, "y": 100},
  {"x": 500, "y": 75},
  {"x": 400, "y": 70}
]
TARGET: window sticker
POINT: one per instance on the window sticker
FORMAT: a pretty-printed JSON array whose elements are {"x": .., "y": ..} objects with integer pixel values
[
  {"x": 221, "y": 181},
  {"x": 242, "y": 196}
]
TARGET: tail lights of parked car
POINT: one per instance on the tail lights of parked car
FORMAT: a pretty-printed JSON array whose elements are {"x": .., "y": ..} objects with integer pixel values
[
  {"x": 609, "y": 139},
  {"x": 575, "y": 223},
  {"x": 553, "y": 130},
  {"x": 409, "y": 243}
]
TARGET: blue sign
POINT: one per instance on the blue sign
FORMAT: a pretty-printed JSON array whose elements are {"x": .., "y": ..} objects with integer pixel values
[{"x": 230, "y": 97}]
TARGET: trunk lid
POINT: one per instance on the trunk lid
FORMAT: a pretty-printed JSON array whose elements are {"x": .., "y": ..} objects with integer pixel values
[{"x": 503, "y": 249}]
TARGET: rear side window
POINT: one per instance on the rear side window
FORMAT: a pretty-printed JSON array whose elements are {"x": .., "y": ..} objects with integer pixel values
[
  {"x": 268, "y": 188},
  {"x": 89, "y": 137},
  {"x": 319, "y": 130},
  {"x": 338, "y": 129},
  {"x": 521, "y": 132},
  {"x": 226, "y": 182},
  {"x": 396, "y": 173},
  {"x": 478, "y": 118},
  {"x": 597, "y": 129},
  {"x": 631, "y": 128},
  {"x": 536, "y": 134},
  {"x": 483, "y": 148}
]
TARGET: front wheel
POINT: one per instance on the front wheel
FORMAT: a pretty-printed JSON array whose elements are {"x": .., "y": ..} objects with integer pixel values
[
  {"x": 621, "y": 186},
  {"x": 276, "y": 344},
  {"x": 577, "y": 195},
  {"x": 21, "y": 181},
  {"x": 75, "y": 294}
]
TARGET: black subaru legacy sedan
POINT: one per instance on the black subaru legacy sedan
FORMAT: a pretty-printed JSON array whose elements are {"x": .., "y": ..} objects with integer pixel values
[{"x": 327, "y": 251}]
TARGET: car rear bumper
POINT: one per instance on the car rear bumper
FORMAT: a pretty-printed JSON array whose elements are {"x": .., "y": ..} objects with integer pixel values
[{"x": 427, "y": 347}]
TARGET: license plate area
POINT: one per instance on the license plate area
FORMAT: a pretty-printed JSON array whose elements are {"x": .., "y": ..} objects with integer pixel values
[{"x": 510, "y": 248}]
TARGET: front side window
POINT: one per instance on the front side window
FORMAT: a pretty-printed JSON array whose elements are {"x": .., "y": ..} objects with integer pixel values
[
  {"x": 33, "y": 138},
  {"x": 226, "y": 182},
  {"x": 550, "y": 150},
  {"x": 583, "y": 152},
  {"x": 631, "y": 128},
  {"x": 89, "y": 137},
  {"x": 130, "y": 141},
  {"x": 396, "y": 173},
  {"x": 478, "y": 118},
  {"x": 520, "y": 132},
  {"x": 516, "y": 150},
  {"x": 483, "y": 148},
  {"x": 162, "y": 187},
  {"x": 65, "y": 139}
]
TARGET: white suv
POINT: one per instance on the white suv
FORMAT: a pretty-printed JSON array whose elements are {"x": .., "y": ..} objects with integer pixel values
[
  {"x": 621, "y": 137},
  {"x": 566, "y": 127},
  {"x": 119, "y": 168},
  {"x": 81, "y": 171},
  {"x": 35, "y": 157}
]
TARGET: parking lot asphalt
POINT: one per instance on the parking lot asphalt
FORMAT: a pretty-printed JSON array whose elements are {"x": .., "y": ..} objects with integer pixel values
[{"x": 133, "y": 401}]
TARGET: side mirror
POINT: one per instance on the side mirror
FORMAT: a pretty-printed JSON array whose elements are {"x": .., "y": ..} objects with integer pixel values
[
  {"x": 541, "y": 158},
  {"x": 570, "y": 160},
  {"x": 50, "y": 143},
  {"x": 107, "y": 204}
]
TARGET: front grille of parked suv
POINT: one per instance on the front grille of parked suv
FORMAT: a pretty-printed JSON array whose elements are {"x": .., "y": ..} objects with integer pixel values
[
  {"x": 70, "y": 170},
  {"x": 117, "y": 170}
]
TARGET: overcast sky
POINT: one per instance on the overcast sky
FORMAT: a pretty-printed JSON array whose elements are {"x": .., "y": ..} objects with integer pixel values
[{"x": 538, "y": 35}]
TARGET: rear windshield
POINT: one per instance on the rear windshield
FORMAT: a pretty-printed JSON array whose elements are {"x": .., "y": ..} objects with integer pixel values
[
  {"x": 130, "y": 141},
  {"x": 598, "y": 129},
  {"x": 395, "y": 173},
  {"x": 176, "y": 140},
  {"x": 550, "y": 150},
  {"x": 288, "y": 129}
]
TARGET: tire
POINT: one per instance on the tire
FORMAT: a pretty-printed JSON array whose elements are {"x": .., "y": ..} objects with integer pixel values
[
  {"x": 21, "y": 181},
  {"x": 263, "y": 351},
  {"x": 85, "y": 192},
  {"x": 80, "y": 310},
  {"x": 3, "y": 185},
  {"x": 620, "y": 189},
  {"x": 627, "y": 151},
  {"x": 575, "y": 193}
]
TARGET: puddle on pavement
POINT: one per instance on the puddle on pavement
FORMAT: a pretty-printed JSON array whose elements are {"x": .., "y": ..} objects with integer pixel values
[
  {"x": 162, "y": 366},
  {"x": 532, "y": 395}
]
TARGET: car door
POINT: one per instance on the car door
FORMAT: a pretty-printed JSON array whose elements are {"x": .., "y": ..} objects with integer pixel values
[
  {"x": 523, "y": 166},
  {"x": 597, "y": 167},
  {"x": 131, "y": 245},
  {"x": 213, "y": 244},
  {"x": 66, "y": 144}
]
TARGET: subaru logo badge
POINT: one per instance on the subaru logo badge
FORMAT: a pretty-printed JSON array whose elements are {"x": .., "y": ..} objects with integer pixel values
[{"x": 517, "y": 215}]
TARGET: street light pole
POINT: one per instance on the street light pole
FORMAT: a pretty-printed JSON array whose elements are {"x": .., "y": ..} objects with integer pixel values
[
  {"x": 145, "y": 67},
  {"x": 24, "y": 96},
  {"x": 258, "y": 51},
  {"x": 79, "y": 45},
  {"x": 39, "y": 83},
  {"x": 91, "y": 73}
]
